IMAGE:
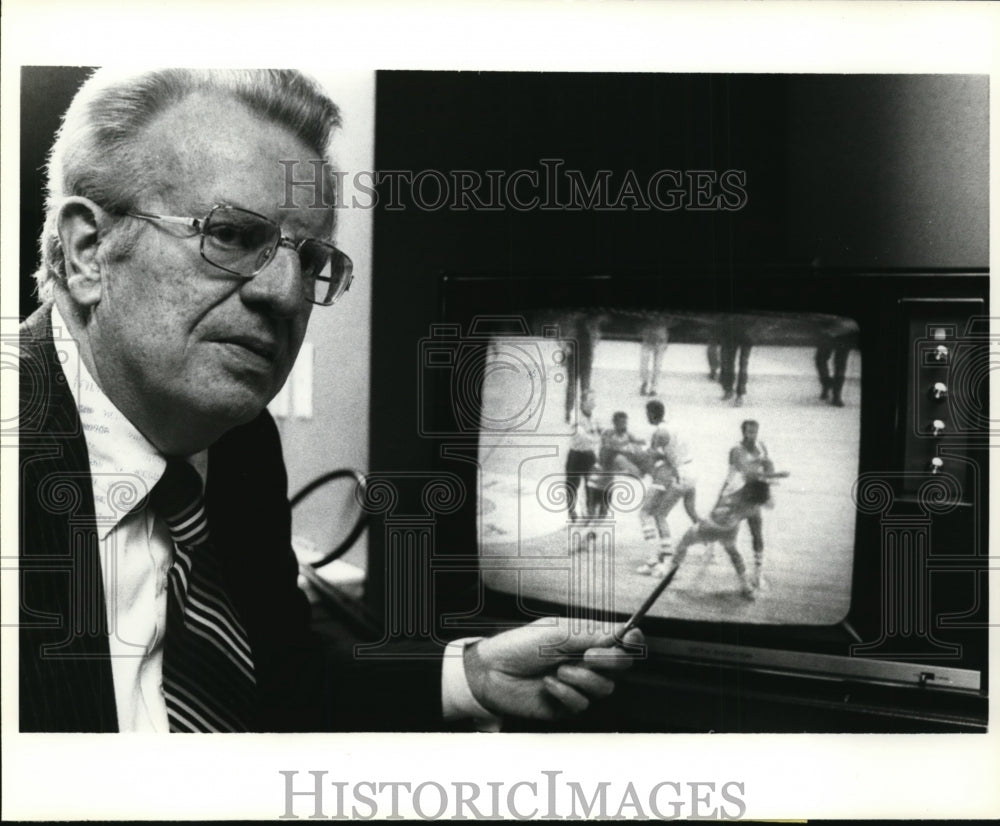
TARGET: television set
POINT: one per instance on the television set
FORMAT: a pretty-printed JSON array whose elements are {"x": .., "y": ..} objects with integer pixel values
[
  {"x": 869, "y": 392},
  {"x": 529, "y": 214}
]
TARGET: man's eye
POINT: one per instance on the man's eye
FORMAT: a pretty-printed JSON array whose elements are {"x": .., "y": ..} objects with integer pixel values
[
  {"x": 227, "y": 235},
  {"x": 237, "y": 236},
  {"x": 314, "y": 259}
]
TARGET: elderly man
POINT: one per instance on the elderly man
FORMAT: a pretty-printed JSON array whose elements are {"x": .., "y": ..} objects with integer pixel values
[{"x": 158, "y": 585}]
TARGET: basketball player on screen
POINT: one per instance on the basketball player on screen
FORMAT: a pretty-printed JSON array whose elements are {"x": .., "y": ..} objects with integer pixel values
[
  {"x": 620, "y": 453},
  {"x": 669, "y": 465},
  {"x": 749, "y": 460},
  {"x": 582, "y": 457},
  {"x": 721, "y": 525},
  {"x": 746, "y": 491}
]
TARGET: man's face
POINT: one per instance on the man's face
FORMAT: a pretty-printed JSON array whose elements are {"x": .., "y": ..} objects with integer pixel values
[
  {"x": 750, "y": 433},
  {"x": 587, "y": 405},
  {"x": 175, "y": 340},
  {"x": 620, "y": 424}
]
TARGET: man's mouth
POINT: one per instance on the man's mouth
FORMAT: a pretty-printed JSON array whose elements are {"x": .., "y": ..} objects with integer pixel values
[{"x": 266, "y": 348}]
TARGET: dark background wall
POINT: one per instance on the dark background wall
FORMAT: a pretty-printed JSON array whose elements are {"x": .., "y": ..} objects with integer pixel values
[
  {"x": 888, "y": 171},
  {"x": 46, "y": 91},
  {"x": 847, "y": 171}
]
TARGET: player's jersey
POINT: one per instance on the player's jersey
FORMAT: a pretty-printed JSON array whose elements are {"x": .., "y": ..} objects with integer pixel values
[
  {"x": 741, "y": 462},
  {"x": 587, "y": 436},
  {"x": 613, "y": 443},
  {"x": 666, "y": 444},
  {"x": 729, "y": 511}
]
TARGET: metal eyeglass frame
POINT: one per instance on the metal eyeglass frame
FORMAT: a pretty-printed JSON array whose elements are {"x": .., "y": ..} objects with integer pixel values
[{"x": 199, "y": 224}]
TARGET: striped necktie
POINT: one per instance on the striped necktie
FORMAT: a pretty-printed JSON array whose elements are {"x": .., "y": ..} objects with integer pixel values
[{"x": 208, "y": 673}]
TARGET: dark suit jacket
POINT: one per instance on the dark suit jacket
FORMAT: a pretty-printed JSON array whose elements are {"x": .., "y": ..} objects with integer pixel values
[{"x": 65, "y": 672}]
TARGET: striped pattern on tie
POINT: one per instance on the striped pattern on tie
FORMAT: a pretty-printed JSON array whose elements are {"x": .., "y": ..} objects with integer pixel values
[{"x": 208, "y": 673}]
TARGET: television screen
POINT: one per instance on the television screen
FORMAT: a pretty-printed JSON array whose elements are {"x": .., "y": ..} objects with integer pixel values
[{"x": 616, "y": 446}]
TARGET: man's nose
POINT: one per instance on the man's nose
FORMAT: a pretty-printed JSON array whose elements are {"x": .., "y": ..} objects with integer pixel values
[{"x": 278, "y": 285}]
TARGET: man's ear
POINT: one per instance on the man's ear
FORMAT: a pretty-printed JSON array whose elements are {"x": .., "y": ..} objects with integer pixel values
[{"x": 78, "y": 225}]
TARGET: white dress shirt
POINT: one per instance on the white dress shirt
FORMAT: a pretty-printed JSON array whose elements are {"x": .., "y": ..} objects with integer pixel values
[{"x": 136, "y": 553}]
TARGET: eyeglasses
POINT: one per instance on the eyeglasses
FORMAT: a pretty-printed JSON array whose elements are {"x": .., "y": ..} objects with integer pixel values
[{"x": 244, "y": 243}]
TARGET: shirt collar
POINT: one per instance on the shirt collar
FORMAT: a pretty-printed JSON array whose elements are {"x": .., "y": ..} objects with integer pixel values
[{"x": 124, "y": 464}]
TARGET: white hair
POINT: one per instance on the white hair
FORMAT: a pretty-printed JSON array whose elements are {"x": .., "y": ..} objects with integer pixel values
[{"x": 97, "y": 152}]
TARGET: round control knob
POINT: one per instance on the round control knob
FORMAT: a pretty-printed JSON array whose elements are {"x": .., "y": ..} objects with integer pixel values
[
  {"x": 937, "y": 427},
  {"x": 940, "y": 353},
  {"x": 937, "y": 465},
  {"x": 939, "y": 391}
]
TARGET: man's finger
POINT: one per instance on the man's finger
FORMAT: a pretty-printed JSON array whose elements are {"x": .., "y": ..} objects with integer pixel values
[
  {"x": 608, "y": 635},
  {"x": 589, "y": 682},
  {"x": 565, "y": 694},
  {"x": 632, "y": 640},
  {"x": 608, "y": 659},
  {"x": 616, "y": 657}
]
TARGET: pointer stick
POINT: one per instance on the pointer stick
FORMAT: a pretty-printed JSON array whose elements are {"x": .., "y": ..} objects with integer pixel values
[{"x": 636, "y": 618}]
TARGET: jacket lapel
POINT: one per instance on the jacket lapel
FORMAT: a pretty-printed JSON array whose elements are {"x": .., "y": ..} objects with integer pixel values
[{"x": 65, "y": 669}]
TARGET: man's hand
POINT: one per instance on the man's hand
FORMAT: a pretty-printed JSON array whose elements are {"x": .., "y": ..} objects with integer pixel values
[{"x": 544, "y": 670}]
